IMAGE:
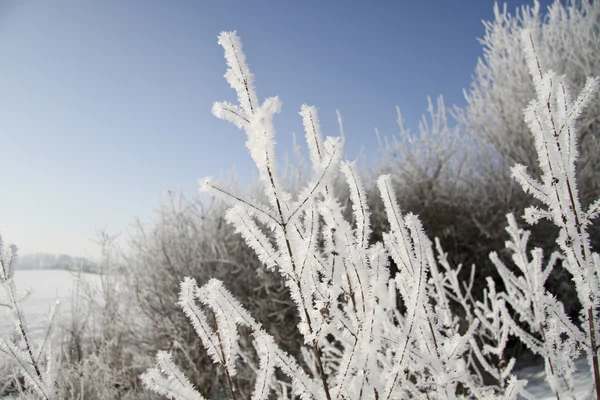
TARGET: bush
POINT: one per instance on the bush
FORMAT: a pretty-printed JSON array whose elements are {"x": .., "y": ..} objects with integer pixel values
[
  {"x": 568, "y": 41},
  {"x": 135, "y": 314},
  {"x": 457, "y": 179},
  {"x": 361, "y": 344},
  {"x": 348, "y": 273}
]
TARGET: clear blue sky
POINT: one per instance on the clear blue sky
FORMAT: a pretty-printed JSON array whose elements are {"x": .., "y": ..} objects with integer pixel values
[{"x": 104, "y": 105}]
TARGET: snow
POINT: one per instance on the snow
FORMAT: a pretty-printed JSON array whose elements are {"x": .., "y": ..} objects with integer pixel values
[
  {"x": 47, "y": 286},
  {"x": 43, "y": 288},
  {"x": 539, "y": 389}
]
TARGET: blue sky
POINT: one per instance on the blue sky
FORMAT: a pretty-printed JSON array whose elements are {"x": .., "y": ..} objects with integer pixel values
[{"x": 105, "y": 105}]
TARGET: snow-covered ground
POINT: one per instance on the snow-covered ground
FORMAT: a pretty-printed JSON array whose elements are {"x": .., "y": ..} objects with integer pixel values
[
  {"x": 539, "y": 389},
  {"x": 47, "y": 286}
]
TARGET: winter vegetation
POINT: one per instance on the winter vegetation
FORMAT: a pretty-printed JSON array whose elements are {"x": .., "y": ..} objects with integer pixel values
[
  {"x": 466, "y": 249},
  {"x": 44, "y": 288},
  {"x": 34, "y": 360},
  {"x": 362, "y": 346}
]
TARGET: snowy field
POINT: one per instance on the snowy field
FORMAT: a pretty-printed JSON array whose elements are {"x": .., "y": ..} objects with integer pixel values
[
  {"x": 47, "y": 286},
  {"x": 539, "y": 389}
]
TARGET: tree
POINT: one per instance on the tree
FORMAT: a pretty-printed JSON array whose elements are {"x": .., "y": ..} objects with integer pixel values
[{"x": 568, "y": 37}]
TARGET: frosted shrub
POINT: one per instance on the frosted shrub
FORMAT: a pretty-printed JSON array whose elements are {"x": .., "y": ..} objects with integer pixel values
[
  {"x": 33, "y": 358},
  {"x": 551, "y": 118},
  {"x": 360, "y": 345},
  {"x": 429, "y": 163},
  {"x": 568, "y": 41},
  {"x": 190, "y": 238}
]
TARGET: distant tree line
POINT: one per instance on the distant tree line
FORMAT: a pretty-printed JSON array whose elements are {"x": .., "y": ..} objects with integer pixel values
[{"x": 56, "y": 261}]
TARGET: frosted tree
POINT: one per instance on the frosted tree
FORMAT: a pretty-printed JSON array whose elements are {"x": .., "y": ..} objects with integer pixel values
[
  {"x": 33, "y": 358},
  {"x": 430, "y": 161},
  {"x": 358, "y": 344},
  {"x": 569, "y": 42}
]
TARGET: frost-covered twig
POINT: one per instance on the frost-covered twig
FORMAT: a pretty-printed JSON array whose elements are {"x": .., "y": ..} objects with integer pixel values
[
  {"x": 543, "y": 314},
  {"x": 168, "y": 380},
  {"x": 551, "y": 118}
]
